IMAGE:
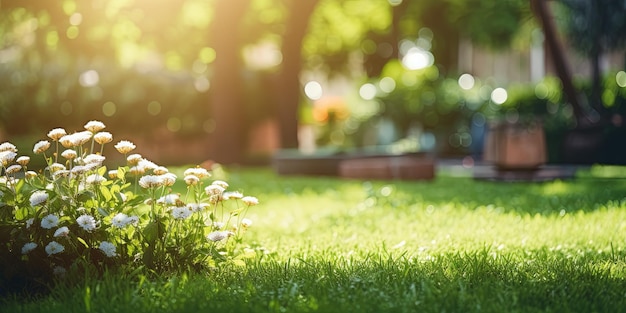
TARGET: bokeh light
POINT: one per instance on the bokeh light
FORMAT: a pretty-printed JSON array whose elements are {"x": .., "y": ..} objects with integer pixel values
[
  {"x": 367, "y": 91},
  {"x": 313, "y": 90},
  {"x": 499, "y": 95},
  {"x": 466, "y": 81}
]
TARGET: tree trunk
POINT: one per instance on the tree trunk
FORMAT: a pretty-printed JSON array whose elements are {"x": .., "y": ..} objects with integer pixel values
[
  {"x": 288, "y": 89},
  {"x": 542, "y": 12},
  {"x": 228, "y": 139}
]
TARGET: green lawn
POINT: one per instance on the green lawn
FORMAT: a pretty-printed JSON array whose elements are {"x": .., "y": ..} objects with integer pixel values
[{"x": 448, "y": 245}]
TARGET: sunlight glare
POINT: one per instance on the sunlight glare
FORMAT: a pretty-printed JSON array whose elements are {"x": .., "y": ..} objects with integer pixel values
[
  {"x": 466, "y": 81},
  {"x": 499, "y": 95},
  {"x": 313, "y": 90},
  {"x": 367, "y": 91},
  {"x": 89, "y": 78}
]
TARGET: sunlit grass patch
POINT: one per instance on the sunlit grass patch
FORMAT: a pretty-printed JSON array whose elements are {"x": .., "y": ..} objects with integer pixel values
[{"x": 451, "y": 244}]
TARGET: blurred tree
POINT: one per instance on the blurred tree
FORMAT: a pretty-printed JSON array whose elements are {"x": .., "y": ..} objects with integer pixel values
[{"x": 594, "y": 28}]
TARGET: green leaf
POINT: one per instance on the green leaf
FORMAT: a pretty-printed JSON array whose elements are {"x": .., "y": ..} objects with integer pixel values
[
  {"x": 81, "y": 240},
  {"x": 106, "y": 193}
]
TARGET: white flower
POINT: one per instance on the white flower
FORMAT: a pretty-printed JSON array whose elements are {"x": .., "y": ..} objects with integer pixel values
[
  {"x": 181, "y": 212},
  {"x": 197, "y": 171},
  {"x": 108, "y": 249},
  {"x": 146, "y": 165},
  {"x": 232, "y": 195},
  {"x": 28, "y": 247},
  {"x": 169, "y": 179},
  {"x": 246, "y": 222},
  {"x": 170, "y": 199},
  {"x": 221, "y": 183},
  {"x": 248, "y": 200},
  {"x": 54, "y": 247},
  {"x": 94, "y": 126},
  {"x": 103, "y": 137},
  {"x": 38, "y": 197},
  {"x": 62, "y": 231},
  {"x": 197, "y": 207},
  {"x": 86, "y": 222},
  {"x": 134, "y": 159},
  {"x": 29, "y": 222},
  {"x": 55, "y": 167},
  {"x": 150, "y": 181},
  {"x": 94, "y": 159},
  {"x": 30, "y": 174},
  {"x": 132, "y": 220},
  {"x": 191, "y": 180},
  {"x": 60, "y": 173},
  {"x": 69, "y": 154},
  {"x": 119, "y": 220},
  {"x": 218, "y": 235},
  {"x": 95, "y": 179},
  {"x": 218, "y": 225},
  {"x": 214, "y": 190},
  {"x": 79, "y": 170},
  {"x": 125, "y": 146},
  {"x": 56, "y": 133},
  {"x": 41, "y": 146},
  {"x": 160, "y": 170},
  {"x": 50, "y": 221},
  {"x": 136, "y": 170},
  {"x": 23, "y": 160},
  {"x": 13, "y": 169},
  {"x": 112, "y": 174},
  {"x": 7, "y": 146},
  {"x": 7, "y": 157}
]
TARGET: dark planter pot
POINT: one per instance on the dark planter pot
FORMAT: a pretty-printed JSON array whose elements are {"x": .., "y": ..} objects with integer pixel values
[{"x": 516, "y": 146}]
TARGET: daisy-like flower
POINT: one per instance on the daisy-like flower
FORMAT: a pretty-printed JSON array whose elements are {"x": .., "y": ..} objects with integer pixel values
[
  {"x": 134, "y": 159},
  {"x": 246, "y": 222},
  {"x": 218, "y": 225},
  {"x": 103, "y": 137},
  {"x": 197, "y": 207},
  {"x": 41, "y": 146},
  {"x": 232, "y": 195},
  {"x": 132, "y": 220},
  {"x": 214, "y": 190},
  {"x": 49, "y": 221},
  {"x": 23, "y": 160},
  {"x": 69, "y": 154},
  {"x": 197, "y": 171},
  {"x": 150, "y": 181},
  {"x": 169, "y": 179},
  {"x": 95, "y": 179},
  {"x": 13, "y": 169},
  {"x": 54, "y": 247},
  {"x": 28, "y": 247},
  {"x": 170, "y": 199},
  {"x": 181, "y": 212},
  {"x": 60, "y": 173},
  {"x": 7, "y": 157},
  {"x": 62, "y": 232},
  {"x": 79, "y": 170},
  {"x": 108, "y": 249},
  {"x": 86, "y": 222},
  {"x": 136, "y": 170},
  {"x": 250, "y": 201},
  {"x": 218, "y": 235},
  {"x": 38, "y": 197},
  {"x": 147, "y": 165},
  {"x": 220, "y": 183},
  {"x": 119, "y": 220},
  {"x": 94, "y": 159},
  {"x": 56, "y": 134},
  {"x": 94, "y": 126},
  {"x": 83, "y": 137},
  {"x": 55, "y": 167},
  {"x": 125, "y": 146},
  {"x": 7, "y": 146},
  {"x": 112, "y": 174},
  {"x": 160, "y": 170},
  {"x": 191, "y": 180},
  {"x": 30, "y": 174}
]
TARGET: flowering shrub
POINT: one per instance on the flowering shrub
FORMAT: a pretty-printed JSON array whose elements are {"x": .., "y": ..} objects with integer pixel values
[{"x": 76, "y": 212}]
